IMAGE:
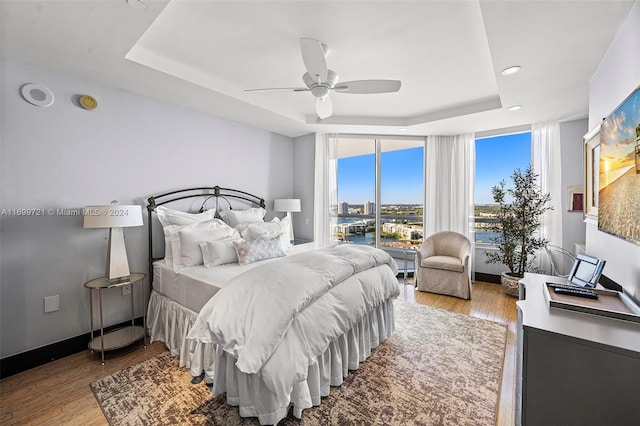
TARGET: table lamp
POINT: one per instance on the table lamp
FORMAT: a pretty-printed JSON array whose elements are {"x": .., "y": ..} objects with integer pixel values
[
  {"x": 115, "y": 217},
  {"x": 287, "y": 205}
]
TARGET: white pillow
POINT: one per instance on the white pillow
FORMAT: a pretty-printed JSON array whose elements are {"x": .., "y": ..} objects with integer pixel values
[
  {"x": 286, "y": 231},
  {"x": 272, "y": 229},
  {"x": 257, "y": 230},
  {"x": 169, "y": 217},
  {"x": 253, "y": 251},
  {"x": 236, "y": 217},
  {"x": 185, "y": 243},
  {"x": 218, "y": 252}
]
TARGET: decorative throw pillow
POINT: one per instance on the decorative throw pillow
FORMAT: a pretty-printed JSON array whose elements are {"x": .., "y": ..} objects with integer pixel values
[
  {"x": 272, "y": 229},
  {"x": 218, "y": 252},
  {"x": 253, "y": 251},
  {"x": 186, "y": 242},
  {"x": 235, "y": 217},
  {"x": 257, "y": 230}
]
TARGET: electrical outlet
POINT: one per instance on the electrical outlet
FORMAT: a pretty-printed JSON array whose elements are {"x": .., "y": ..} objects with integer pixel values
[
  {"x": 51, "y": 303},
  {"x": 126, "y": 290}
]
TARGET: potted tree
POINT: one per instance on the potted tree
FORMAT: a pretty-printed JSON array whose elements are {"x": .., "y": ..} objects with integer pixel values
[{"x": 520, "y": 210}]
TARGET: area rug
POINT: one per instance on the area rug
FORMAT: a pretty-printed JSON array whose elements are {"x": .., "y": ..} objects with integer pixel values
[{"x": 438, "y": 368}]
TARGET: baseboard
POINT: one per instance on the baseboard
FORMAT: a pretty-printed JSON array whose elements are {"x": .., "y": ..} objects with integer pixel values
[
  {"x": 487, "y": 278},
  {"x": 27, "y": 360}
]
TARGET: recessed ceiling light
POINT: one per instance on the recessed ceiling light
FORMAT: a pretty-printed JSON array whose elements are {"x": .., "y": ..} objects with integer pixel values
[
  {"x": 514, "y": 107},
  {"x": 136, "y": 4},
  {"x": 511, "y": 70},
  {"x": 402, "y": 129}
]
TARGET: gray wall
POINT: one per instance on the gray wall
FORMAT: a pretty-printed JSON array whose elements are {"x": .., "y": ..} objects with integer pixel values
[
  {"x": 129, "y": 148},
  {"x": 303, "y": 184},
  {"x": 615, "y": 78},
  {"x": 571, "y": 150}
]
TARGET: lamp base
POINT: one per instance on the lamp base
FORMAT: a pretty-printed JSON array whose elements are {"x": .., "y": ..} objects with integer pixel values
[
  {"x": 117, "y": 262},
  {"x": 291, "y": 237}
]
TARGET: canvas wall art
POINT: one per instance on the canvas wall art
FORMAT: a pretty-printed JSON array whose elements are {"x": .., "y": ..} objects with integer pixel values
[{"x": 619, "y": 196}]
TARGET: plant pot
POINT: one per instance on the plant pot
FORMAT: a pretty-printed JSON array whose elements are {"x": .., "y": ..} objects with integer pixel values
[{"x": 510, "y": 284}]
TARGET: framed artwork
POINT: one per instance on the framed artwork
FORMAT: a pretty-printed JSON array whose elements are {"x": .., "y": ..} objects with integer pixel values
[
  {"x": 575, "y": 198},
  {"x": 619, "y": 196},
  {"x": 591, "y": 173}
]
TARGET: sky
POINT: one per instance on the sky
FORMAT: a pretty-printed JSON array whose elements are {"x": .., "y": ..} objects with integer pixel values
[
  {"x": 402, "y": 171},
  {"x": 618, "y": 135},
  {"x": 496, "y": 159}
]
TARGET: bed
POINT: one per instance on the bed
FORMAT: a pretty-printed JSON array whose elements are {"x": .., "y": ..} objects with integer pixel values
[{"x": 274, "y": 328}]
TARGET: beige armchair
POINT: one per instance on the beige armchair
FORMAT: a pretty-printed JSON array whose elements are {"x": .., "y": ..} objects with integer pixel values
[{"x": 442, "y": 265}]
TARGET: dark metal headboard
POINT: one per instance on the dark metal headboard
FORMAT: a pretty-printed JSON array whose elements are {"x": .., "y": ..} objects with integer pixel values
[{"x": 203, "y": 192}]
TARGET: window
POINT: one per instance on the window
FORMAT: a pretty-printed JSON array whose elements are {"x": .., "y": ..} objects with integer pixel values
[
  {"x": 496, "y": 159},
  {"x": 380, "y": 191}
]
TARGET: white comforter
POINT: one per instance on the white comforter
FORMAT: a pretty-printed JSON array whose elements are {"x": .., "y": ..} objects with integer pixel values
[{"x": 277, "y": 318}]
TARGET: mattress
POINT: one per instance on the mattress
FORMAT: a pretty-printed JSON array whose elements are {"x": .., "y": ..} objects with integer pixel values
[
  {"x": 177, "y": 298},
  {"x": 192, "y": 287}
]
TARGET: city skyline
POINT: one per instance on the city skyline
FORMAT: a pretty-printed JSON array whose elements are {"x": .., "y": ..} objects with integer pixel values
[{"x": 402, "y": 171}]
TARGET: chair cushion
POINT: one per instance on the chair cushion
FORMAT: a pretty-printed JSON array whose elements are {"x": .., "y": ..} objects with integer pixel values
[{"x": 443, "y": 262}]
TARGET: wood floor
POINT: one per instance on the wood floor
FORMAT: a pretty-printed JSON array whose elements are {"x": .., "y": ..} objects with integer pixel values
[{"x": 58, "y": 393}]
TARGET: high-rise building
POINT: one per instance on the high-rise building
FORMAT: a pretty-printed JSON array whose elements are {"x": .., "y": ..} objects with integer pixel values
[
  {"x": 369, "y": 207},
  {"x": 343, "y": 208}
]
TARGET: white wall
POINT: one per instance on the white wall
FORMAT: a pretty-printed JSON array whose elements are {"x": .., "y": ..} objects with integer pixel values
[
  {"x": 127, "y": 149},
  {"x": 303, "y": 184},
  {"x": 616, "y": 77}
]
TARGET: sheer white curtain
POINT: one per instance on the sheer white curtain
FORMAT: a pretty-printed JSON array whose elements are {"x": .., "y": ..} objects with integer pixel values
[
  {"x": 449, "y": 184},
  {"x": 545, "y": 161},
  {"x": 326, "y": 189}
]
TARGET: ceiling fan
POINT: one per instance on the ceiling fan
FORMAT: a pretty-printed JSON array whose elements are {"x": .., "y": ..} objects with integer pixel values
[{"x": 320, "y": 81}]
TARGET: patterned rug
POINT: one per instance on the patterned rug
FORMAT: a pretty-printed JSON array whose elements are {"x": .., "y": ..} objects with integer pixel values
[{"x": 438, "y": 368}]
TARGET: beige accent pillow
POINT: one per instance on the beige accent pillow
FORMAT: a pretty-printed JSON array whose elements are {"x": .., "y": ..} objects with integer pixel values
[{"x": 261, "y": 249}]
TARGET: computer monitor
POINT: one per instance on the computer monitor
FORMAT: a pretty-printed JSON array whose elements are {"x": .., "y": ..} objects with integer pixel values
[{"x": 586, "y": 271}]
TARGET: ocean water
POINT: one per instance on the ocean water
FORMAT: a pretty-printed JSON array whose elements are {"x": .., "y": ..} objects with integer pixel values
[
  {"x": 368, "y": 238},
  {"x": 485, "y": 236}
]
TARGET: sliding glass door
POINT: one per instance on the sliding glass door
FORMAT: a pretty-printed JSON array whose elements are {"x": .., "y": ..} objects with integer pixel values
[
  {"x": 381, "y": 191},
  {"x": 402, "y": 192}
]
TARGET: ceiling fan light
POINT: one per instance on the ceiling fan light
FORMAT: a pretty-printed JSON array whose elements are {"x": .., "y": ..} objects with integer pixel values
[
  {"x": 324, "y": 107},
  {"x": 320, "y": 91},
  {"x": 332, "y": 78}
]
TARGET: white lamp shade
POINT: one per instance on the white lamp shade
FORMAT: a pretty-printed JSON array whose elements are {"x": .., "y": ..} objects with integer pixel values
[
  {"x": 286, "y": 205},
  {"x": 112, "y": 216}
]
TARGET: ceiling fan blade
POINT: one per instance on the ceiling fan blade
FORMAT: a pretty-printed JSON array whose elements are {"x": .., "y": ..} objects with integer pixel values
[
  {"x": 324, "y": 107},
  {"x": 368, "y": 86},
  {"x": 314, "y": 59},
  {"x": 295, "y": 89}
]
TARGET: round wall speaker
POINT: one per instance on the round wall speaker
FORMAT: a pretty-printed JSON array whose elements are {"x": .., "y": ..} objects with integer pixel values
[{"x": 37, "y": 94}]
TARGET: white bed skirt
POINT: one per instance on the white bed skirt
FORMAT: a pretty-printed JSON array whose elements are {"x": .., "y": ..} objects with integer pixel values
[
  {"x": 255, "y": 399},
  {"x": 170, "y": 322}
]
